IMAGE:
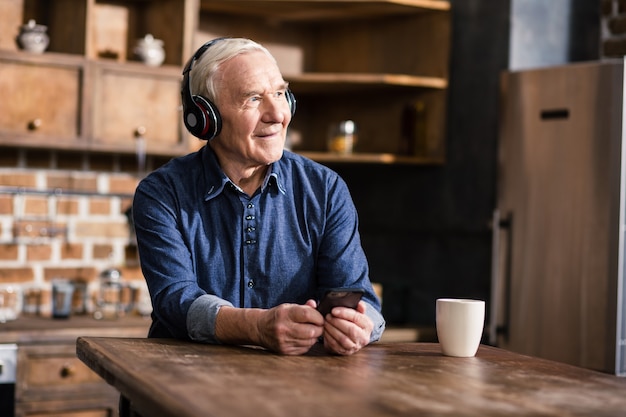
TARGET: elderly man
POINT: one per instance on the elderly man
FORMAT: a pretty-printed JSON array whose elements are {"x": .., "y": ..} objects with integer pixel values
[{"x": 239, "y": 240}]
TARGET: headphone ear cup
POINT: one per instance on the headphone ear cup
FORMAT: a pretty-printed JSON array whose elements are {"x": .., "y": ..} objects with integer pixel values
[
  {"x": 209, "y": 122},
  {"x": 193, "y": 117},
  {"x": 291, "y": 100}
]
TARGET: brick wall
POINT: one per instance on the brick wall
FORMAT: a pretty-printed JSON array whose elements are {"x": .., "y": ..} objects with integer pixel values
[
  {"x": 613, "y": 28},
  {"x": 64, "y": 215}
]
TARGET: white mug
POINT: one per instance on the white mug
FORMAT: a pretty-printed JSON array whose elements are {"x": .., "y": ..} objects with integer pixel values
[{"x": 460, "y": 324}]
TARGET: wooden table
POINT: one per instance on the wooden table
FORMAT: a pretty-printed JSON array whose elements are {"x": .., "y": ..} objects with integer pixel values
[{"x": 169, "y": 378}]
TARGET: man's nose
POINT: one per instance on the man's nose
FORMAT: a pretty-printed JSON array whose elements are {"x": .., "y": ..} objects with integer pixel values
[{"x": 276, "y": 109}]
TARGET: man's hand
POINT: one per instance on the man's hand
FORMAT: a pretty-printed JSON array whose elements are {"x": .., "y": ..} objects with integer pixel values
[
  {"x": 346, "y": 330},
  {"x": 290, "y": 329}
]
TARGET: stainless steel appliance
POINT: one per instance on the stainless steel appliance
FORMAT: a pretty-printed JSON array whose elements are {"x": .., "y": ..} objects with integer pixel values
[
  {"x": 8, "y": 371},
  {"x": 559, "y": 236}
]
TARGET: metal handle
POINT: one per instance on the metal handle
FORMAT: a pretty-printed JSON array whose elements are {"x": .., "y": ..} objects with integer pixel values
[
  {"x": 497, "y": 280},
  {"x": 67, "y": 371},
  {"x": 140, "y": 149},
  {"x": 35, "y": 124}
]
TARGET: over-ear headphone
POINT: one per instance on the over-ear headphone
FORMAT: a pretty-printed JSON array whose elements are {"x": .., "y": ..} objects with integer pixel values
[{"x": 200, "y": 115}]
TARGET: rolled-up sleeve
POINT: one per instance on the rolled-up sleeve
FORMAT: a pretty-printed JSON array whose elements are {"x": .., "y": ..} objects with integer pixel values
[
  {"x": 378, "y": 320},
  {"x": 201, "y": 318}
]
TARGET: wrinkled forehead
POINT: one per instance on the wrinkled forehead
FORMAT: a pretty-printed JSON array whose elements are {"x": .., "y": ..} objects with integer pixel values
[{"x": 251, "y": 71}]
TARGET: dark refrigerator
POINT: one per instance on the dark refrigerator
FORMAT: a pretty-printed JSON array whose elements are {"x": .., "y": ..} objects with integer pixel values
[{"x": 559, "y": 222}]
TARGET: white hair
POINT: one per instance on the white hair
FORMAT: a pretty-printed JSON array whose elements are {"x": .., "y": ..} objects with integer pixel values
[{"x": 204, "y": 70}]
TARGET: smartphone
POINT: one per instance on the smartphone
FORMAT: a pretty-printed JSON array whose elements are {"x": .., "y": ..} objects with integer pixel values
[{"x": 340, "y": 297}]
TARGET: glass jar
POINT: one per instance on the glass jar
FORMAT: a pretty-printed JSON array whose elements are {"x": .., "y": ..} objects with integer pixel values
[
  {"x": 109, "y": 300},
  {"x": 62, "y": 295},
  {"x": 10, "y": 302},
  {"x": 342, "y": 137}
]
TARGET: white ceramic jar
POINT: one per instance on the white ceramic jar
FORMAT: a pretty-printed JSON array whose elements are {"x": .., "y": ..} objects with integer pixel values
[
  {"x": 33, "y": 37},
  {"x": 150, "y": 51}
]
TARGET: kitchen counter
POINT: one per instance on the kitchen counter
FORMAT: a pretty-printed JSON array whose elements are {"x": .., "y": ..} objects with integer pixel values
[
  {"x": 50, "y": 379},
  {"x": 40, "y": 329}
]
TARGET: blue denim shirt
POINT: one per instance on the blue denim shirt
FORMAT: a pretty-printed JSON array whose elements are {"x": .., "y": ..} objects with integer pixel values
[{"x": 203, "y": 243}]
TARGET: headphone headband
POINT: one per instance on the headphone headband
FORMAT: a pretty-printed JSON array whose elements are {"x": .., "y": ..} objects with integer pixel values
[{"x": 199, "y": 53}]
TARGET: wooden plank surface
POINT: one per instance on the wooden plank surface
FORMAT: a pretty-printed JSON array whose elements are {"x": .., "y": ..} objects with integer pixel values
[{"x": 175, "y": 378}]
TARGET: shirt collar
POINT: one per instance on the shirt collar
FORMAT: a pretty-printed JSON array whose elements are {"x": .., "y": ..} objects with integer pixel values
[
  {"x": 216, "y": 179},
  {"x": 273, "y": 179}
]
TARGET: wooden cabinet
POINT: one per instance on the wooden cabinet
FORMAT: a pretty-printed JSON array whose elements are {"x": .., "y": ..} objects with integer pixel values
[
  {"x": 382, "y": 64},
  {"x": 51, "y": 380},
  {"x": 30, "y": 109},
  {"x": 151, "y": 108},
  {"x": 51, "y": 377},
  {"x": 88, "y": 90}
]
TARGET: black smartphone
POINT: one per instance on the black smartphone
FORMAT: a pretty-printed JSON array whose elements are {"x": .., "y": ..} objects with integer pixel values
[{"x": 340, "y": 297}]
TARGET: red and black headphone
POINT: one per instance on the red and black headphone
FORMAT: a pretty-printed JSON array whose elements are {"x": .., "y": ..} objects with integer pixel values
[{"x": 200, "y": 115}]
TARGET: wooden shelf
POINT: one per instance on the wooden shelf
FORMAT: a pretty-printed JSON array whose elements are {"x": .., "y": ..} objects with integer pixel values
[
  {"x": 369, "y": 158},
  {"x": 341, "y": 82},
  {"x": 103, "y": 96},
  {"x": 311, "y": 10},
  {"x": 369, "y": 61},
  {"x": 362, "y": 60}
]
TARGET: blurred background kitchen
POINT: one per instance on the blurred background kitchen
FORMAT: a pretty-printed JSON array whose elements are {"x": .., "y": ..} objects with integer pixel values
[{"x": 89, "y": 94}]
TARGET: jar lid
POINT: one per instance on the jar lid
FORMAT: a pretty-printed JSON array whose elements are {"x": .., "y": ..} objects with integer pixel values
[
  {"x": 348, "y": 127},
  {"x": 111, "y": 275},
  {"x": 32, "y": 26},
  {"x": 149, "y": 40}
]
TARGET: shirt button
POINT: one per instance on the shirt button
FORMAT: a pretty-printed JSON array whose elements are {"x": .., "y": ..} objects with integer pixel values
[
  {"x": 250, "y": 242},
  {"x": 249, "y": 217},
  {"x": 250, "y": 229},
  {"x": 250, "y": 205},
  {"x": 250, "y": 284}
]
